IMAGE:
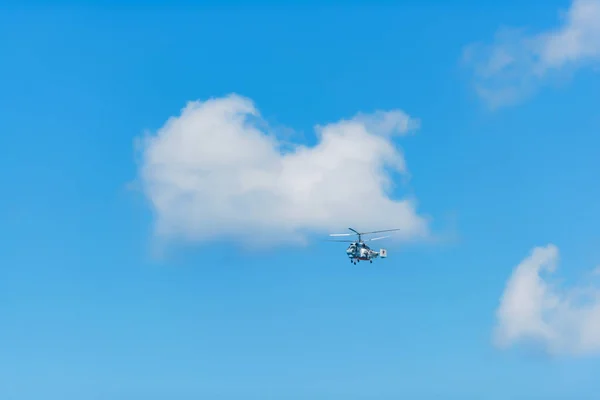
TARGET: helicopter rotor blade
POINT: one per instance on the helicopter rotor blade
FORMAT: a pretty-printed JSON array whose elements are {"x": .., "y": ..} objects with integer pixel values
[
  {"x": 385, "y": 230},
  {"x": 377, "y": 238}
]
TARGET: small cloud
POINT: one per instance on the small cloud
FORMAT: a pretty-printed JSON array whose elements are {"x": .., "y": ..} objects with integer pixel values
[
  {"x": 562, "y": 321},
  {"x": 517, "y": 63}
]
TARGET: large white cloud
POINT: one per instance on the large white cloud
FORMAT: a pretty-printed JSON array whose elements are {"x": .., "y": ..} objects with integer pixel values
[
  {"x": 565, "y": 321},
  {"x": 516, "y": 63},
  {"x": 216, "y": 172}
]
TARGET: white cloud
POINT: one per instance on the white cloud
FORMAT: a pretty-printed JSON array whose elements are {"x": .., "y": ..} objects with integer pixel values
[
  {"x": 532, "y": 309},
  {"x": 215, "y": 172},
  {"x": 516, "y": 63}
]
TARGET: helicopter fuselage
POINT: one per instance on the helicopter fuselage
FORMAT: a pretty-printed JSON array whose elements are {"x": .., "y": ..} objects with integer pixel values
[{"x": 358, "y": 251}]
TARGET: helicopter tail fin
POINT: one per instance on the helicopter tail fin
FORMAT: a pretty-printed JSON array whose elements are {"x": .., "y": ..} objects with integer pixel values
[{"x": 383, "y": 253}]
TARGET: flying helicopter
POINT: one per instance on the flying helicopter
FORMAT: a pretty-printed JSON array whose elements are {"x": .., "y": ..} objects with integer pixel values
[{"x": 358, "y": 250}]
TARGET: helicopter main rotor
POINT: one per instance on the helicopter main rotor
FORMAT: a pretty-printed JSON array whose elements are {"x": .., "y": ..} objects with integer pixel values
[{"x": 360, "y": 234}]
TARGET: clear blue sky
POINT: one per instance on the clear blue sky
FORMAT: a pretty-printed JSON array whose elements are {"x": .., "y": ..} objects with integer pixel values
[{"x": 87, "y": 312}]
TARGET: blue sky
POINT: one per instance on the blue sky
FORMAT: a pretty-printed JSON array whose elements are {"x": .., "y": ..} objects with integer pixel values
[{"x": 93, "y": 306}]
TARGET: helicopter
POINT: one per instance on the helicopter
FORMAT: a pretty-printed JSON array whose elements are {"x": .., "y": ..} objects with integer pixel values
[{"x": 358, "y": 250}]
